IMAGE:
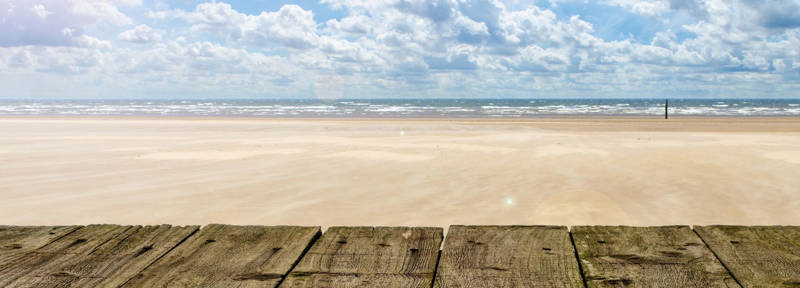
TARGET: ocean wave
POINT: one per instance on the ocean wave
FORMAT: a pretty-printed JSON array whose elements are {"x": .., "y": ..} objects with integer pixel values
[{"x": 403, "y": 108}]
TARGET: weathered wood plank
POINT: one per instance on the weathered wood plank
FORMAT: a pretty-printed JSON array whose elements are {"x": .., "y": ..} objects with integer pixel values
[
  {"x": 79, "y": 242},
  {"x": 757, "y": 256},
  {"x": 369, "y": 257},
  {"x": 16, "y": 240},
  {"x": 508, "y": 256},
  {"x": 98, "y": 256},
  {"x": 230, "y": 256},
  {"x": 670, "y": 256}
]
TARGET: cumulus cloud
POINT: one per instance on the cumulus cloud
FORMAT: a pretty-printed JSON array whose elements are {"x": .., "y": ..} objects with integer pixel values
[
  {"x": 140, "y": 34},
  {"x": 40, "y": 11},
  {"x": 415, "y": 48},
  {"x": 356, "y": 24},
  {"x": 90, "y": 42},
  {"x": 291, "y": 26},
  {"x": 650, "y": 8},
  {"x": 44, "y": 22}
]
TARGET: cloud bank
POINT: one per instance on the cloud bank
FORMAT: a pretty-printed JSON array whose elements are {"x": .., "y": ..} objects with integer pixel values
[{"x": 401, "y": 48}]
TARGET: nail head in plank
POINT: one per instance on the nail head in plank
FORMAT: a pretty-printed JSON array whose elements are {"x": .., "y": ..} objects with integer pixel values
[
  {"x": 230, "y": 256},
  {"x": 669, "y": 256},
  {"x": 369, "y": 257},
  {"x": 757, "y": 255},
  {"x": 100, "y": 255},
  {"x": 508, "y": 256}
]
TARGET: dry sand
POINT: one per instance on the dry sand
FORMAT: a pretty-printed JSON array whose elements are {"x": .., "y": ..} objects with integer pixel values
[{"x": 399, "y": 172}]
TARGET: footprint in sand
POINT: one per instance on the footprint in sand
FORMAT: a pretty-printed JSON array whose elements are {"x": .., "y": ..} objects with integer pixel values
[{"x": 580, "y": 207}]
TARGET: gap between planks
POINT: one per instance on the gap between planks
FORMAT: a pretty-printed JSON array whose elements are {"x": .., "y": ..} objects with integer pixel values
[
  {"x": 437, "y": 261},
  {"x": 718, "y": 258}
]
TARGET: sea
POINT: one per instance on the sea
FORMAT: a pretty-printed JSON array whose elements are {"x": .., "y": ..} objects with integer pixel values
[{"x": 404, "y": 108}]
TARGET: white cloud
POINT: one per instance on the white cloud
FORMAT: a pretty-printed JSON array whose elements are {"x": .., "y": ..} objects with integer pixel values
[
  {"x": 356, "y": 24},
  {"x": 44, "y": 21},
  {"x": 21, "y": 59},
  {"x": 100, "y": 10},
  {"x": 441, "y": 48},
  {"x": 40, "y": 11},
  {"x": 415, "y": 44},
  {"x": 140, "y": 34},
  {"x": 649, "y": 8},
  {"x": 291, "y": 26},
  {"x": 91, "y": 42}
]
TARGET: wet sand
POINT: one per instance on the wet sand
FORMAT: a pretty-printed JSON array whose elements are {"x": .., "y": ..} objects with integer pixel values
[{"x": 621, "y": 171}]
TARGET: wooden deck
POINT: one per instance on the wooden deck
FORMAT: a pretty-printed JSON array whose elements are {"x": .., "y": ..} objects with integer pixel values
[{"x": 470, "y": 256}]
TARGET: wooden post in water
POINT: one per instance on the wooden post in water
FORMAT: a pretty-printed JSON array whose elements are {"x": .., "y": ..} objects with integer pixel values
[{"x": 666, "y": 108}]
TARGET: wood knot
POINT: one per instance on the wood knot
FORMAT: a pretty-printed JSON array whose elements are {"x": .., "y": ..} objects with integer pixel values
[
  {"x": 631, "y": 258},
  {"x": 62, "y": 274},
  {"x": 256, "y": 277},
  {"x": 78, "y": 241},
  {"x": 623, "y": 281},
  {"x": 143, "y": 250},
  {"x": 671, "y": 253},
  {"x": 14, "y": 246}
]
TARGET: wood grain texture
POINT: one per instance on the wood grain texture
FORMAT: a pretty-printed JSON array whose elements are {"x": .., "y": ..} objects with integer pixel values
[
  {"x": 230, "y": 256},
  {"x": 758, "y": 256},
  {"x": 97, "y": 256},
  {"x": 80, "y": 242},
  {"x": 508, "y": 256},
  {"x": 670, "y": 256},
  {"x": 17, "y": 240},
  {"x": 370, "y": 257}
]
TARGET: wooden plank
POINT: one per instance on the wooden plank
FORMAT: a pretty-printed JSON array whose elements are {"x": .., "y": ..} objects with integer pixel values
[
  {"x": 369, "y": 257},
  {"x": 757, "y": 256},
  {"x": 230, "y": 256},
  {"x": 97, "y": 256},
  {"x": 508, "y": 256},
  {"x": 670, "y": 256},
  {"x": 16, "y": 240},
  {"x": 79, "y": 242}
]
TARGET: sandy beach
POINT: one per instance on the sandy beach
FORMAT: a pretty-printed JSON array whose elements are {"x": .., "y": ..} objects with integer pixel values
[{"x": 626, "y": 171}]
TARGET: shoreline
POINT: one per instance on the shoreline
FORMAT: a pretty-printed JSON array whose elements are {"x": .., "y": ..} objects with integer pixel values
[
  {"x": 615, "y": 123},
  {"x": 576, "y": 117}
]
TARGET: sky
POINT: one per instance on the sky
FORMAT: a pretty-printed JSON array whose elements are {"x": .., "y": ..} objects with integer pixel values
[{"x": 331, "y": 49}]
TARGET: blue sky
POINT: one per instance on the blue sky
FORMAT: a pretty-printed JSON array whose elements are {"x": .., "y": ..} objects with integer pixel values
[{"x": 399, "y": 49}]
